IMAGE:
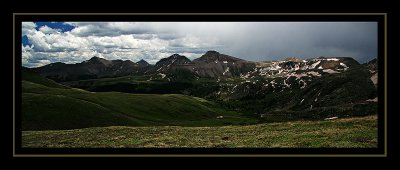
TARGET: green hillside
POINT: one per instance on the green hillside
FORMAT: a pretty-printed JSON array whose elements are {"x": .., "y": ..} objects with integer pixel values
[
  {"x": 29, "y": 75},
  {"x": 340, "y": 133},
  {"x": 48, "y": 105}
]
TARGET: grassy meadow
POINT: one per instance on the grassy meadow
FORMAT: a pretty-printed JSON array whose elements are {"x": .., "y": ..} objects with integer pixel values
[{"x": 358, "y": 132}]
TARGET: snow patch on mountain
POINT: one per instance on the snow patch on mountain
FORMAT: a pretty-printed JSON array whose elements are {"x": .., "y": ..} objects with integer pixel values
[
  {"x": 298, "y": 76},
  {"x": 373, "y": 100},
  {"x": 313, "y": 73},
  {"x": 344, "y": 65},
  {"x": 304, "y": 84},
  {"x": 284, "y": 83},
  {"x": 330, "y": 71},
  {"x": 226, "y": 70},
  {"x": 273, "y": 83},
  {"x": 162, "y": 75},
  {"x": 315, "y": 65},
  {"x": 332, "y": 59}
]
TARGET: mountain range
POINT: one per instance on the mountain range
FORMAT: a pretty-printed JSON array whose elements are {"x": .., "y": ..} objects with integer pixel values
[
  {"x": 313, "y": 88},
  {"x": 210, "y": 65}
]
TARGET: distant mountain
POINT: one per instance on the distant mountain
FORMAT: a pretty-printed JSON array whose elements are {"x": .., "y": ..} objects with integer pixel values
[
  {"x": 175, "y": 61},
  {"x": 373, "y": 64},
  {"x": 212, "y": 65},
  {"x": 215, "y": 65},
  {"x": 93, "y": 68},
  {"x": 373, "y": 61},
  {"x": 173, "y": 68},
  {"x": 143, "y": 63},
  {"x": 212, "y": 56}
]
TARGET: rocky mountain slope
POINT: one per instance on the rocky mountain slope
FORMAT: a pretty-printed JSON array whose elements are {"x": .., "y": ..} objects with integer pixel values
[
  {"x": 216, "y": 65},
  {"x": 91, "y": 69}
]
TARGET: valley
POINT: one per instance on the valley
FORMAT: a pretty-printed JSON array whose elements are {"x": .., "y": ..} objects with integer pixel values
[{"x": 45, "y": 108}]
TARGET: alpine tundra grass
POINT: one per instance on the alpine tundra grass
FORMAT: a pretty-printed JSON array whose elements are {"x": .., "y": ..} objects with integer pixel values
[{"x": 360, "y": 132}]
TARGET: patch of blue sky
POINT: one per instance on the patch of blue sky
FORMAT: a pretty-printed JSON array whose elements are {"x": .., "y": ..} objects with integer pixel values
[
  {"x": 55, "y": 25},
  {"x": 25, "y": 41}
]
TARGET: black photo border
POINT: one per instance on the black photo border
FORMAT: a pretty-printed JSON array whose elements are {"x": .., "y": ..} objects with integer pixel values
[{"x": 380, "y": 151}]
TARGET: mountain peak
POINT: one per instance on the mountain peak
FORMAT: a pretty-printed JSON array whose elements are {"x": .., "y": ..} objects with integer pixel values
[
  {"x": 94, "y": 58},
  {"x": 173, "y": 60},
  {"x": 142, "y": 63},
  {"x": 212, "y": 52},
  {"x": 97, "y": 60},
  {"x": 175, "y": 55},
  {"x": 212, "y": 56},
  {"x": 373, "y": 61}
]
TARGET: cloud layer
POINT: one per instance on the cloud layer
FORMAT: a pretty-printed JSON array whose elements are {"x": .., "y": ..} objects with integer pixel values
[{"x": 155, "y": 40}]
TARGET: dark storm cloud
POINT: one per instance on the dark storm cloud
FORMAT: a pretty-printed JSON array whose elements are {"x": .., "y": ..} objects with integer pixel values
[
  {"x": 266, "y": 41},
  {"x": 169, "y": 36},
  {"x": 359, "y": 38}
]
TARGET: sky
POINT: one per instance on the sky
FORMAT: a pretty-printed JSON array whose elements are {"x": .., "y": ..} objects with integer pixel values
[{"x": 74, "y": 42}]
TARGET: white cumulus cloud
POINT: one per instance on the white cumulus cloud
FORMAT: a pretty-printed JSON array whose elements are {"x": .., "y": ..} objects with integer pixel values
[
  {"x": 47, "y": 30},
  {"x": 28, "y": 28}
]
